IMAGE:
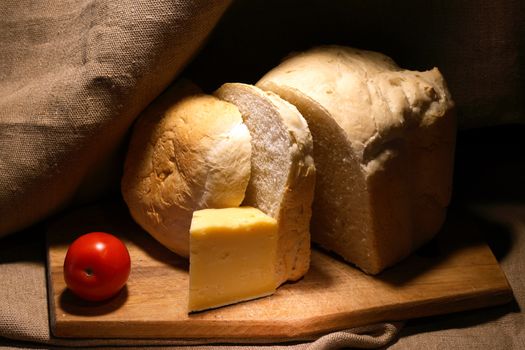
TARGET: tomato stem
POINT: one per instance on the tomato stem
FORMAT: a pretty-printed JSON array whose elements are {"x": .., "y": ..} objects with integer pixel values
[{"x": 88, "y": 271}]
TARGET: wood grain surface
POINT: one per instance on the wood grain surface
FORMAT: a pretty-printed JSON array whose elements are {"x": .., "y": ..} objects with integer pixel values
[{"x": 455, "y": 272}]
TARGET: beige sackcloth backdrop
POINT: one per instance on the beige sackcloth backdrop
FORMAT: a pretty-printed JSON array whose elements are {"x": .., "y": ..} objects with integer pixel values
[{"x": 75, "y": 74}]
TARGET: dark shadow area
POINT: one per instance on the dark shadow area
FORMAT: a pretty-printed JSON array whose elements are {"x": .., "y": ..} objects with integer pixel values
[
  {"x": 317, "y": 278},
  {"x": 27, "y": 245},
  {"x": 461, "y": 230},
  {"x": 333, "y": 256},
  {"x": 498, "y": 236},
  {"x": 74, "y": 305},
  {"x": 490, "y": 165},
  {"x": 459, "y": 320},
  {"x": 254, "y": 36},
  {"x": 112, "y": 217},
  {"x": 150, "y": 246},
  {"x": 23, "y": 345}
]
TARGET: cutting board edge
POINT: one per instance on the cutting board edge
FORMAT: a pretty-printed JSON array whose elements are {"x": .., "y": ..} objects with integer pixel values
[
  {"x": 53, "y": 325},
  {"x": 293, "y": 329}
]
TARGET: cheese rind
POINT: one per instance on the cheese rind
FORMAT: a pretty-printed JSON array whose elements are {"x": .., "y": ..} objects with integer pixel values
[{"x": 233, "y": 256}]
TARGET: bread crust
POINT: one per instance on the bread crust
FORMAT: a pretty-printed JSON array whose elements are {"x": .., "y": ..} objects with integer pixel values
[
  {"x": 385, "y": 181},
  {"x": 188, "y": 151}
]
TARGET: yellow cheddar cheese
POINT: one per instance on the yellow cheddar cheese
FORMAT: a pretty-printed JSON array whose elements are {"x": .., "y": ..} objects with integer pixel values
[{"x": 233, "y": 255}]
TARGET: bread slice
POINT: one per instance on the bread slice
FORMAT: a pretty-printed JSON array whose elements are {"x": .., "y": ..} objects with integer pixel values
[
  {"x": 384, "y": 143},
  {"x": 188, "y": 151},
  {"x": 283, "y": 173}
]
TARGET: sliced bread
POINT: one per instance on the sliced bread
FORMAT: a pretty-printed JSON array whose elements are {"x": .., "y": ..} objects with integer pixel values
[
  {"x": 384, "y": 143},
  {"x": 282, "y": 171}
]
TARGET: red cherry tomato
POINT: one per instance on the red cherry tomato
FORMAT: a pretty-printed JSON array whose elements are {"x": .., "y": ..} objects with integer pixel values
[{"x": 97, "y": 266}]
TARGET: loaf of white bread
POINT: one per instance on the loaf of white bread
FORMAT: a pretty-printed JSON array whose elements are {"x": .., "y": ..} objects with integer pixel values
[
  {"x": 383, "y": 148},
  {"x": 191, "y": 151}
]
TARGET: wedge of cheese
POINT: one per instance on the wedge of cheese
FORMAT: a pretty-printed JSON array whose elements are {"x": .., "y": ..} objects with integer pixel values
[{"x": 233, "y": 256}]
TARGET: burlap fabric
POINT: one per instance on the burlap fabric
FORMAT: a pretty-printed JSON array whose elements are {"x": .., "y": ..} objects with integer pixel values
[{"x": 75, "y": 74}]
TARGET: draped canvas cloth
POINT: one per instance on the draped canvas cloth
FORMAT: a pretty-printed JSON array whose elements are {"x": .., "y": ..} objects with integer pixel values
[{"x": 75, "y": 74}]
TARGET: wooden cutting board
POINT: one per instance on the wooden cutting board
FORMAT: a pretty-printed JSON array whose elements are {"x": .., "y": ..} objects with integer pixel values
[{"x": 454, "y": 272}]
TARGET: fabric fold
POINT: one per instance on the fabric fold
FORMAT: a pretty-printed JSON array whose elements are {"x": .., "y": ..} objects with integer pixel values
[{"x": 73, "y": 77}]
